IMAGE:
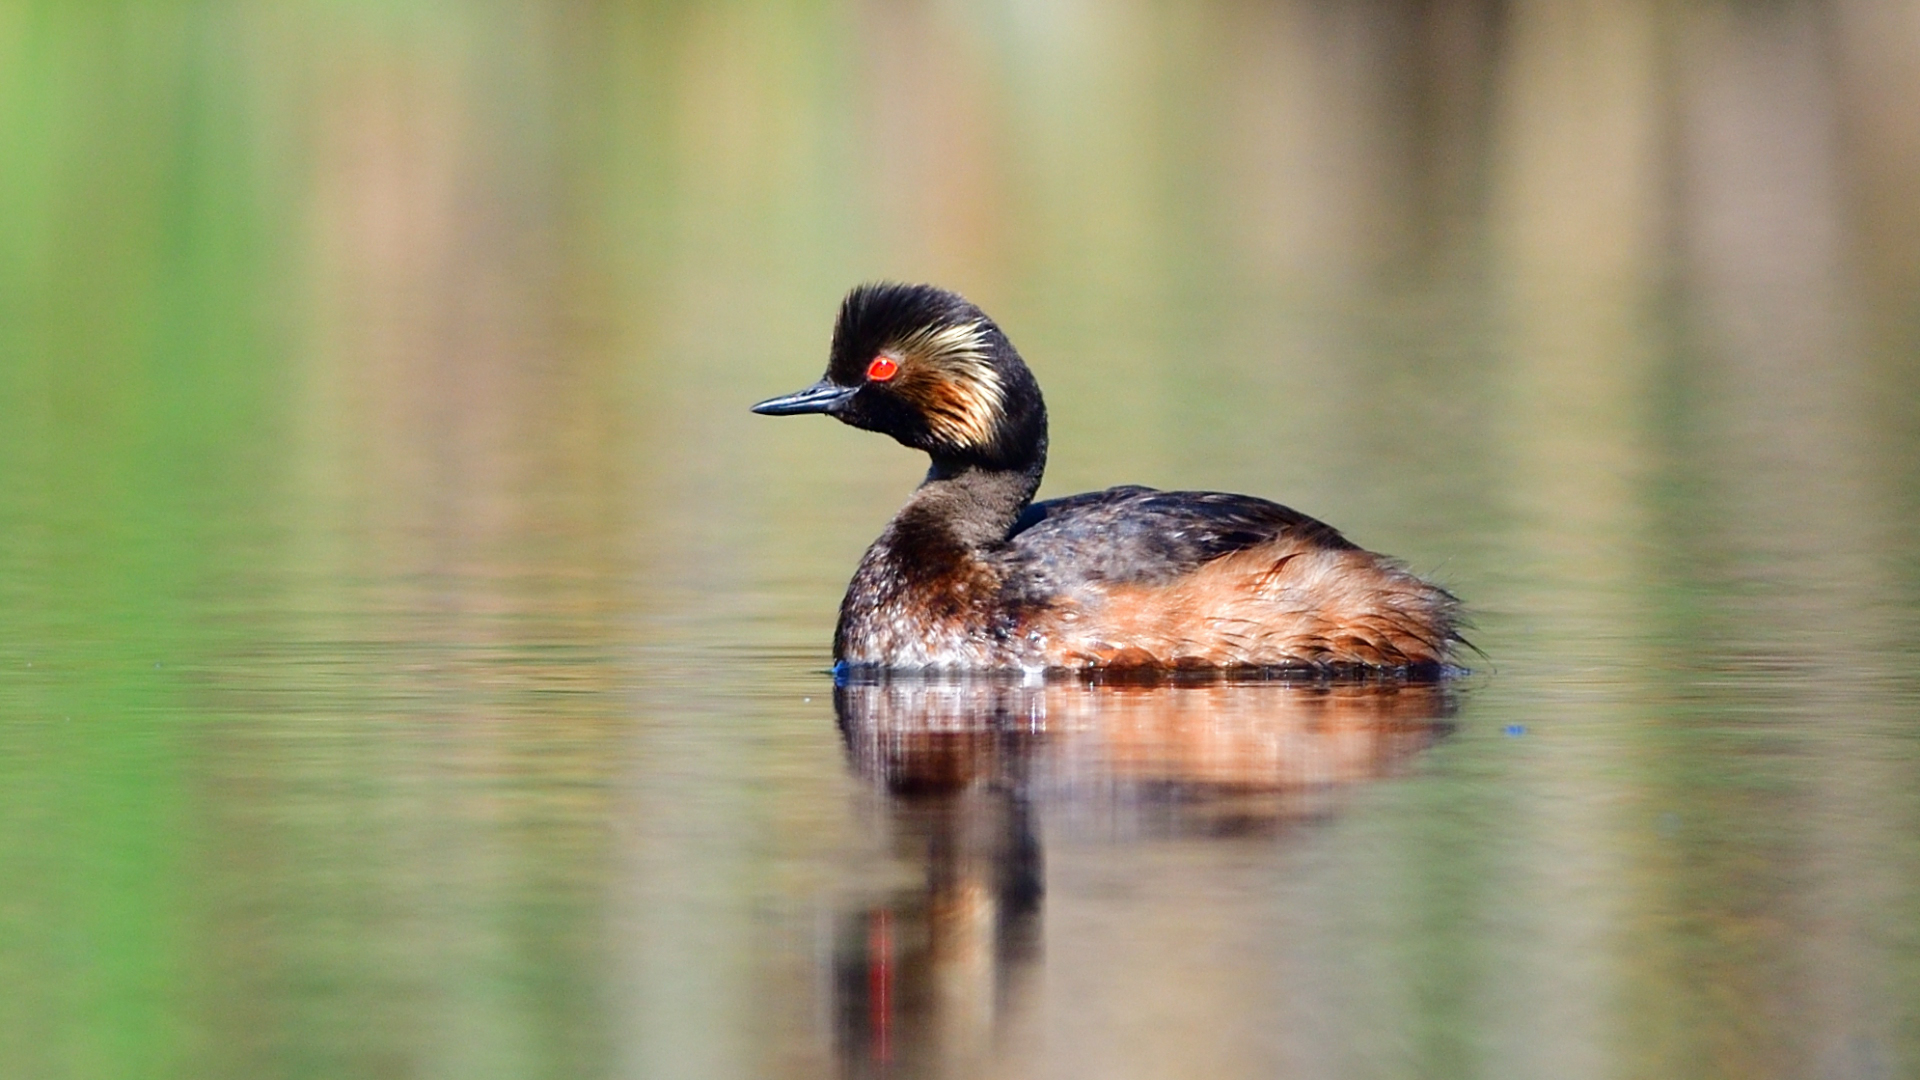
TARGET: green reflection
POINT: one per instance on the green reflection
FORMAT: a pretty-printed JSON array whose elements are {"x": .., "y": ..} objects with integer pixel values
[{"x": 135, "y": 473}]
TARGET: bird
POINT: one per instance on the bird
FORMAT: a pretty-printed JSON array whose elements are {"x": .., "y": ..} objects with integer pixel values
[{"x": 972, "y": 575}]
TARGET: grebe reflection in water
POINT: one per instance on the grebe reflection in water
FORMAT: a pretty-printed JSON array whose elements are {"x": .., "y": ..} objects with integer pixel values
[{"x": 931, "y": 978}]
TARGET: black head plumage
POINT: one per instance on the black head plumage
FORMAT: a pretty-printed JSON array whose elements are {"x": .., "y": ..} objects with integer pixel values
[{"x": 929, "y": 368}]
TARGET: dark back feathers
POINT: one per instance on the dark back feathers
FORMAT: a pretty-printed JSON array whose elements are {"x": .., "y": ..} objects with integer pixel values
[{"x": 1138, "y": 535}]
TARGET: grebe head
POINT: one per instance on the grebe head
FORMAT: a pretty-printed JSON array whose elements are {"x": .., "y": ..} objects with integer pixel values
[{"x": 925, "y": 366}]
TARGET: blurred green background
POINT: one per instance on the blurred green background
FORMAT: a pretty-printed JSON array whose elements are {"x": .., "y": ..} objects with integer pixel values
[{"x": 410, "y": 646}]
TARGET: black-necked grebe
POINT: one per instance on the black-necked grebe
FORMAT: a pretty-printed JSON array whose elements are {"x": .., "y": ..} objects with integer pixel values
[{"x": 973, "y": 575}]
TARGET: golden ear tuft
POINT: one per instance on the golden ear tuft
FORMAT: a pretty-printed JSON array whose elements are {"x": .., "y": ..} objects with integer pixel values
[{"x": 955, "y": 382}]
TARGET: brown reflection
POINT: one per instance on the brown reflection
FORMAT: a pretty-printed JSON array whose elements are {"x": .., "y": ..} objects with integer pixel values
[{"x": 926, "y": 978}]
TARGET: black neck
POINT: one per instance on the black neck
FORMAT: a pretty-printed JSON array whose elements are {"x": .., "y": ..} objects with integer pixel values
[
  {"x": 972, "y": 496},
  {"x": 975, "y": 506}
]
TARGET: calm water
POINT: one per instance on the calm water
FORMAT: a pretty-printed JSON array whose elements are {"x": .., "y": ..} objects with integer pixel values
[{"x": 411, "y": 649}]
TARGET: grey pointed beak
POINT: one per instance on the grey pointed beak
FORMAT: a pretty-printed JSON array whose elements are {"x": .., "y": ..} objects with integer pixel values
[{"x": 821, "y": 397}]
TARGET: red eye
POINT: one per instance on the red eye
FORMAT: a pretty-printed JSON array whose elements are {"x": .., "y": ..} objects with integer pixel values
[{"x": 882, "y": 369}]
